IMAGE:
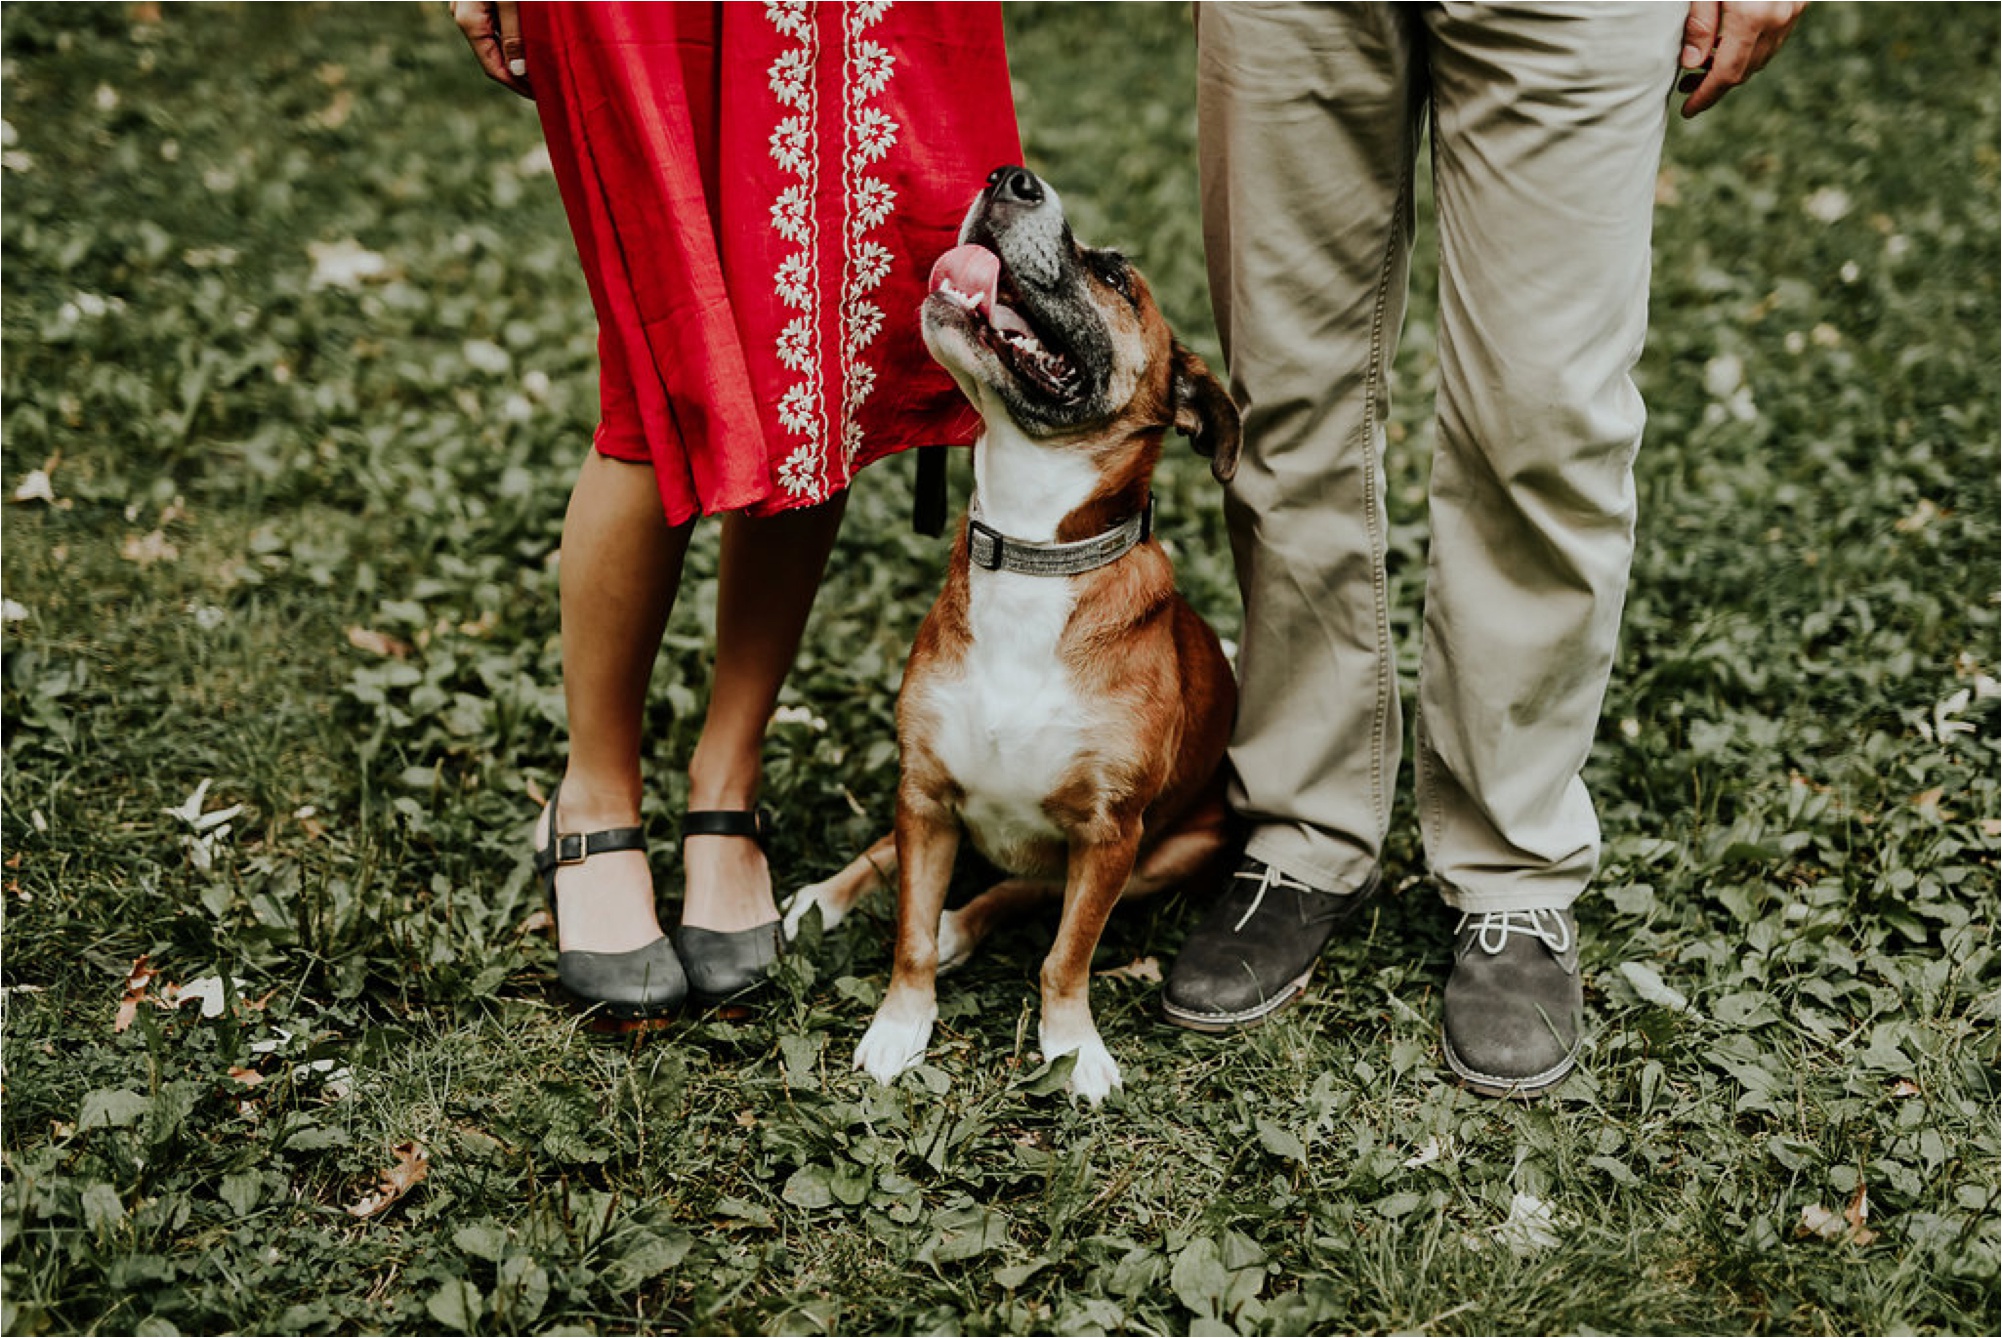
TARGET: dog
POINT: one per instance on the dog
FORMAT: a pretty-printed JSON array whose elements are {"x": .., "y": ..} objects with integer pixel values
[{"x": 1063, "y": 705}]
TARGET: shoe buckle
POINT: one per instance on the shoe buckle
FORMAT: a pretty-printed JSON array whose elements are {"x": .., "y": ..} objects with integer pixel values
[{"x": 570, "y": 849}]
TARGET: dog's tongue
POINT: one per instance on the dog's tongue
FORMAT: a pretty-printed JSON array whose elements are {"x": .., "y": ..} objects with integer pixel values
[
  {"x": 971, "y": 276},
  {"x": 969, "y": 271}
]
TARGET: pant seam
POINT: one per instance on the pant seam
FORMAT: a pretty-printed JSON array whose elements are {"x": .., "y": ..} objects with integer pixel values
[{"x": 1386, "y": 659}]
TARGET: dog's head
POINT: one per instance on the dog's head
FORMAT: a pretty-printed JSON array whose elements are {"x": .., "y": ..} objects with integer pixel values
[{"x": 1064, "y": 340}]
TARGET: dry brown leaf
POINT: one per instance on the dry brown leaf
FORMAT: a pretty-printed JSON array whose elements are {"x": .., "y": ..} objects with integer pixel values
[
  {"x": 136, "y": 983},
  {"x": 413, "y": 1163},
  {"x": 377, "y": 643},
  {"x": 248, "y": 1077},
  {"x": 1147, "y": 969},
  {"x": 1857, "y": 1214},
  {"x": 1924, "y": 514},
  {"x": 1904, "y": 1087},
  {"x": 148, "y": 549}
]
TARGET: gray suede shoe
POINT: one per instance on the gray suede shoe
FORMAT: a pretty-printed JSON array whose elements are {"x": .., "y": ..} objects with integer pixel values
[
  {"x": 1255, "y": 949},
  {"x": 1515, "y": 1005},
  {"x": 723, "y": 964},
  {"x": 647, "y": 982}
]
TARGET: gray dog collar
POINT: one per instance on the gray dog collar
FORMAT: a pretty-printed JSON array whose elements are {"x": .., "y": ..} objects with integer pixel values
[{"x": 991, "y": 550}]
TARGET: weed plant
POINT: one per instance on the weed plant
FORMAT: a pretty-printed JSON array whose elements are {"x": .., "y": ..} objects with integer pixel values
[{"x": 298, "y": 367}]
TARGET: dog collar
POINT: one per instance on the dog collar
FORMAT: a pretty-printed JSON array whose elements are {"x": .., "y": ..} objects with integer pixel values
[{"x": 991, "y": 550}]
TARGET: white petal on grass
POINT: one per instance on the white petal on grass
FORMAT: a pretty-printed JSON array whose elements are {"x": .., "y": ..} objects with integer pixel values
[
  {"x": 1830, "y": 204},
  {"x": 344, "y": 264},
  {"x": 10, "y": 612},
  {"x": 483, "y": 355},
  {"x": 1530, "y": 1226},
  {"x": 208, "y": 989},
  {"x": 1650, "y": 986},
  {"x": 1722, "y": 375},
  {"x": 35, "y": 487}
]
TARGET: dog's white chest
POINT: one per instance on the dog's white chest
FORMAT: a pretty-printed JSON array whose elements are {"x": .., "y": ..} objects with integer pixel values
[{"x": 1010, "y": 723}]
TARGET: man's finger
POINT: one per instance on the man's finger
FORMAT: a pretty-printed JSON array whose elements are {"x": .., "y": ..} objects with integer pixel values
[{"x": 1699, "y": 33}]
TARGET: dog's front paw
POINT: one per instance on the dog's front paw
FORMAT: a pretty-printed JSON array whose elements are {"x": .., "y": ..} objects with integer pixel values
[
  {"x": 894, "y": 1044},
  {"x": 1095, "y": 1073},
  {"x": 832, "y": 912}
]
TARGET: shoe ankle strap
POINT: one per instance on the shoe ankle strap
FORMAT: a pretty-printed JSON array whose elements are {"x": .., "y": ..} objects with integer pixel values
[
  {"x": 567, "y": 848},
  {"x": 751, "y": 823}
]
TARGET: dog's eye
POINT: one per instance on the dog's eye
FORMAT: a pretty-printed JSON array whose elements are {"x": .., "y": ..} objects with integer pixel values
[{"x": 1113, "y": 271}]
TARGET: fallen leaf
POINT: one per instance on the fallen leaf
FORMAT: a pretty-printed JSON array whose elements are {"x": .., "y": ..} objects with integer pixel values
[
  {"x": 1529, "y": 1227},
  {"x": 1847, "y": 1225},
  {"x": 377, "y": 643},
  {"x": 1647, "y": 983},
  {"x": 149, "y": 548},
  {"x": 1146, "y": 969},
  {"x": 136, "y": 982},
  {"x": 413, "y": 1163},
  {"x": 208, "y": 990},
  {"x": 39, "y": 484},
  {"x": 1924, "y": 514},
  {"x": 1904, "y": 1087},
  {"x": 1856, "y": 1215},
  {"x": 248, "y": 1077}
]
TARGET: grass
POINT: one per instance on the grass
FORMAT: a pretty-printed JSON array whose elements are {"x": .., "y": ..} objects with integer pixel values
[{"x": 298, "y": 552}]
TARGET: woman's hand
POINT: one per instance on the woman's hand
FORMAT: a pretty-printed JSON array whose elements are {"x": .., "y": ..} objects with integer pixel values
[
  {"x": 493, "y": 30},
  {"x": 1725, "y": 43}
]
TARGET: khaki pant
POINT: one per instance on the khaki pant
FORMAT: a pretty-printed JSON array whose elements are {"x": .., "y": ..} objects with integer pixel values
[{"x": 1547, "y": 125}]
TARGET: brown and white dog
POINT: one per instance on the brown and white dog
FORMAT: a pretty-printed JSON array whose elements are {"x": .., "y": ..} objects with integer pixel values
[{"x": 1063, "y": 704}]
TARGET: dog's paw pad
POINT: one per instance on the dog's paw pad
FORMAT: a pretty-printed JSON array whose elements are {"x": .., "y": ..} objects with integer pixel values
[
  {"x": 1095, "y": 1073},
  {"x": 892, "y": 1046},
  {"x": 805, "y": 900}
]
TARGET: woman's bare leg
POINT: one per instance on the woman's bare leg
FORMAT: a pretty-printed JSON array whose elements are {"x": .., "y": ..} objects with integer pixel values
[
  {"x": 621, "y": 566},
  {"x": 770, "y": 571}
]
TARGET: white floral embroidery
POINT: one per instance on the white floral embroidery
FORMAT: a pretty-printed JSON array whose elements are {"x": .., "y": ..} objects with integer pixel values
[
  {"x": 861, "y": 385},
  {"x": 796, "y": 471},
  {"x": 795, "y": 281},
  {"x": 796, "y": 345},
  {"x": 873, "y": 67},
  {"x": 875, "y": 135},
  {"x": 792, "y": 144},
  {"x": 872, "y": 266},
  {"x": 865, "y": 322},
  {"x": 868, "y": 137},
  {"x": 792, "y": 214},
  {"x": 790, "y": 75},
  {"x": 796, "y": 408},
  {"x": 874, "y": 202},
  {"x": 795, "y": 148},
  {"x": 818, "y": 411},
  {"x": 794, "y": 18}
]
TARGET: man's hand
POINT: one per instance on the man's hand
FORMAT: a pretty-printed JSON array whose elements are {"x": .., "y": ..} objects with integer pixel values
[
  {"x": 493, "y": 30},
  {"x": 1725, "y": 43}
]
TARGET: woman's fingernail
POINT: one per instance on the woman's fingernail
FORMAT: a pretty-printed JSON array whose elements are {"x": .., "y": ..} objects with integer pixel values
[
  {"x": 1691, "y": 58},
  {"x": 517, "y": 67}
]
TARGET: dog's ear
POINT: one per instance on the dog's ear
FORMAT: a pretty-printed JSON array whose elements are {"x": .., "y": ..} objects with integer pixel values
[{"x": 1205, "y": 413}]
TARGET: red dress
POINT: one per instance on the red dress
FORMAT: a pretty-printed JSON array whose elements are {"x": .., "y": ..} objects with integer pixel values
[{"x": 757, "y": 193}]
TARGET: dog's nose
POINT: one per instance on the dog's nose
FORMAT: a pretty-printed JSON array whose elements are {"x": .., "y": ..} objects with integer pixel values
[{"x": 1018, "y": 184}]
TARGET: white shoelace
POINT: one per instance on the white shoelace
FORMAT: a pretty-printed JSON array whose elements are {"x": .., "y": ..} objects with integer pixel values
[
  {"x": 1495, "y": 927},
  {"x": 1268, "y": 880}
]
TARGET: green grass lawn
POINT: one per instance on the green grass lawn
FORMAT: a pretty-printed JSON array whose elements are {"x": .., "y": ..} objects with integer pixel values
[{"x": 295, "y": 337}]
